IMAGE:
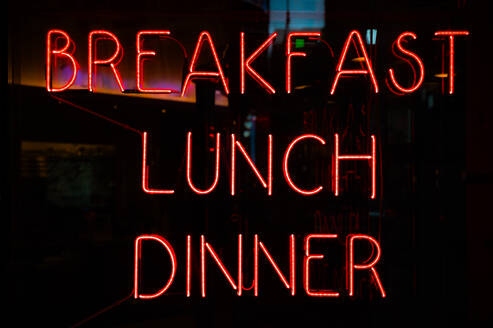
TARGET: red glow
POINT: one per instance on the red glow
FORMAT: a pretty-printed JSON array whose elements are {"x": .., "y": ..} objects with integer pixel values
[
  {"x": 451, "y": 35},
  {"x": 415, "y": 57},
  {"x": 371, "y": 158},
  {"x": 368, "y": 70},
  {"x": 189, "y": 165},
  {"x": 291, "y": 284},
  {"x": 286, "y": 159},
  {"x": 145, "y": 173},
  {"x": 306, "y": 267},
  {"x": 140, "y": 62},
  {"x": 290, "y": 54},
  {"x": 269, "y": 167},
  {"x": 202, "y": 265},
  {"x": 206, "y": 246},
  {"x": 292, "y": 267},
  {"x": 204, "y": 36},
  {"x": 236, "y": 144},
  {"x": 240, "y": 264},
  {"x": 369, "y": 264},
  {"x": 189, "y": 264},
  {"x": 167, "y": 245},
  {"x": 350, "y": 267},
  {"x": 59, "y": 52},
  {"x": 245, "y": 64},
  {"x": 92, "y": 62}
]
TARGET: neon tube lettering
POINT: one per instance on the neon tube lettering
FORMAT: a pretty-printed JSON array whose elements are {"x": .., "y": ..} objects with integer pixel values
[
  {"x": 62, "y": 53},
  {"x": 140, "y": 63},
  {"x": 240, "y": 264},
  {"x": 371, "y": 158},
  {"x": 290, "y": 54},
  {"x": 245, "y": 64},
  {"x": 351, "y": 266},
  {"x": 368, "y": 70},
  {"x": 189, "y": 265},
  {"x": 285, "y": 164},
  {"x": 306, "y": 267},
  {"x": 189, "y": 165},
  {"x": 291, "y": 284},
  {"x": 205, "y": 246},
  {"x": 236, "y": 144},
  {"x": 451, "y": 35},
  {"x": 415, "y": 57},
  {"x": 93, "y": 61},
  {"x": 145, "y": 171},
  {"x": 204, "y": 36},
  {"x": 137, "y": 258}
]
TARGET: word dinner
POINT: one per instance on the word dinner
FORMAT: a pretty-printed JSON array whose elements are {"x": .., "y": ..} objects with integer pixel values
[{"x": 309, "y": 260}]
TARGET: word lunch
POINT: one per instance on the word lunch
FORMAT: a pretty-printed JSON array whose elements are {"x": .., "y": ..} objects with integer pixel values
[{"x": 266, "y": 179}]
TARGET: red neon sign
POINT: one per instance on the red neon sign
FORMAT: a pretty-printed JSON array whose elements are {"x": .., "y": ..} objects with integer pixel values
[
  {"x": 169, "y": 249},
  {"x": 140, "y": 61},
  {"x": 259, "y": 247},
  {"x": 50, "y": 53},
  {"x": 368, "y": 70},
  {"x": 415, "y": 57},
  {"x": 371, "y": 158},
  {"x": 289, "y": 285},
  {"x": 236, "y": 144},
  {"x": 94, "y": 36},
  {"x": 266, "y": 183},
  {"x": 189, "y": 266},
  {"x": 142, "y": 54},
  {"x": 306, "y": 265},
  {"x": 145, "y": 171},
  {"x": 204, "y": 36},
  {"x": 189, "y": 165},
  {"x": 451, "y": 36},
  {"x": 245, "y": 64},
  {"x": 351, "y": 266},
  {"x": 286, "y": 169},
  {"x": 290, "y": 54},
  {"x": 205, "y": 246}
]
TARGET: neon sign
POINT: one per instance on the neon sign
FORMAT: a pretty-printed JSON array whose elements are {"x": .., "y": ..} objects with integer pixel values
[
  {"x": 66, "y": 53},
  {"x": 309, "y": 260},
  {"x": 237, "y": 152},
  {"x": 337, "y": 158}
]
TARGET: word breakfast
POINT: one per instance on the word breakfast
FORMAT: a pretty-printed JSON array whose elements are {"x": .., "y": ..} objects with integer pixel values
[{"x": 66, "y": 53}]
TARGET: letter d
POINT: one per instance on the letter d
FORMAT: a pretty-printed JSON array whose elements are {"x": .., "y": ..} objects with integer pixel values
[{"x": 167, "y": 245}]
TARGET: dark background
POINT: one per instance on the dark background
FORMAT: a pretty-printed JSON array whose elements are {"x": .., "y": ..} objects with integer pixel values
[{"x": 73, "y": 202}]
